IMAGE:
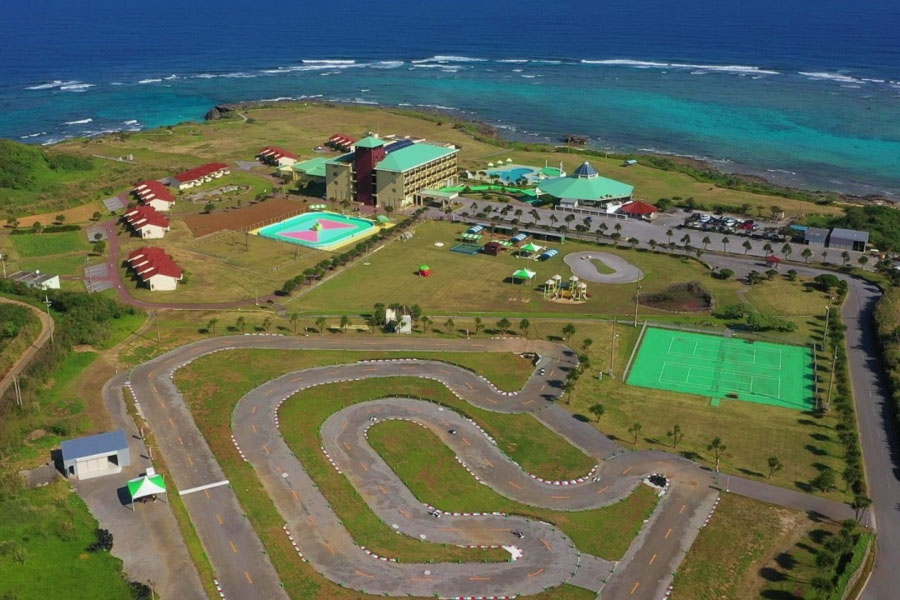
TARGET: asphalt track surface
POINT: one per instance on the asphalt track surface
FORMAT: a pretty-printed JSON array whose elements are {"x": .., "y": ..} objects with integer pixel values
[
  {"x": 583, "y": 266},
  {"x": 548, "y": 555}
]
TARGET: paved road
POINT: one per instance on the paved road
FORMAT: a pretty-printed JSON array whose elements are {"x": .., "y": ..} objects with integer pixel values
[
  {"x": 47, "y": 327},
  {"x": 236, "y": 551},
  {"x": 582, "y": 265}
]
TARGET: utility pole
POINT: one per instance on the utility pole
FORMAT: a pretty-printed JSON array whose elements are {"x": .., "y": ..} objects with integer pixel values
[
  {"x": 17, "y": 390},
  {"x": 831, "y": 381},
  {"x": 3, "y": 262},
  {"x": 156, "y": 318},
  {"x": 612, "y": 350},
  {"x": 48, "y": 303},
  {"x": 825, "y": 335}
]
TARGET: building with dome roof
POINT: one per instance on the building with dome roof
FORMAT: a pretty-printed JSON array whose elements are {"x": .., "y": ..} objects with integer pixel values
[{"x": 586, "y": 189}]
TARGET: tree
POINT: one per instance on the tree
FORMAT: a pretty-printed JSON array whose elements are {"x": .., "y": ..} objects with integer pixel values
[
  {"x": 209, "y": 207},
  {"x": 771, "y": 274},
  {"x": 97, "y": 215},
  {"x": 686, "y": 240},
  {"x": 267, "y": 323},
  {"x": 767, "y": 248},
  {"x": 747, "y": 246},
  {"x": 568, "y": 331},
  {"x": 792, "y": 275},
  {"x": 776, "y": 210},
  {"x": 569, "y": 389},
  {"x": 845, "y": 256},
  {"x": 675, "y": 434},
  {"x": 616, "y": 236},
  {"x": 706, "y": 242},
  {"x": 635, "y": 429},
  {"x": 824, "y": 481},
  {"x": 320, "y": 324},
  {"x": 479, "y": 325},
  {"x": 787, "y": 250},
  {"x": 669, "y": 234},
  {"x": 754, "y": 277},
  {"x": 241, "y": 323},
  {"x": 653, "y": 244},
  {"x": 449, "y": 325},
  {"x": 774, "y": 465},
  {"x": 211, "y": 326},
  {"x": 60, "y": 219},
  {"x": 825, "y": 559},
  {"x": 295, "y": 316},
  {"x": 99, "y": 247},
  {"x": 426, "y": 323},
  {"x": 862, "y": 260},
  {"x": 717, "y": 448},
  {"x": 634, "y": 242},
  {"x": 345, "y": 323},
  {"x": 103, "y": 543},
  {"x": 725, "y": 274},
  {"x": 806, "y": 254},
  {"x": 597, "y": 410},
  {"x": 725, "y": 242},
  {"x": 524, "y": 326},
  {"x": 859, "y": 504},
  {"x": 586, "y": 344},
  {"x": 36, "y": 227},
  {"x": 503, "y": 324}
]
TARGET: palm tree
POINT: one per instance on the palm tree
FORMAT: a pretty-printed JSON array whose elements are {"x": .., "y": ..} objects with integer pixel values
[
  {"x": 686, "y": 240},
  {"x": 267, "y": 323},
  {"x": 860, "y": 504},
  {"x": 241, "y": 323},
  {"x": 862, "y": 260},
  {"x": 706, "y": 242},
  {"x": 717, "y": 447},
  {"x": 669, "y": 234},
  {"x": 503, "y": 324},
  {"x": 807, "y": 254},
  {"x": 725, "y": 242},
  {"x": 449, "y": 325},
  {"x": 211, "y": 326},
  {"x": 618, "y": 227},
  {"x": 653, "y": 244},
  {"x": 597, "y": 410},
  {"x": 634, "y": 242},
  {"x": 320, "y": 324},
  {"x": 774, "y": 465},
  {"x": 426, "y": 323},
  {"x": 635, "y": 429},
  {"x": 602, "y": 228},
  {"x": 569, "y": 390},
  {"x": 525, "y": 325},
  {"x": 616, "y": 237},
  {"x": 747, "y": 246},
  {"x": 295, "y": 316},
  {"x": 586, "y": 344},
  {"x": 787, "y": 250},
  {"x": 478, "y": 325},
  {"x": 676, "y": 435},
  {"x": 345, "y": 323},
  {"x": 767, "y": 248},
  {"x": 845, "y": 256},
  {"x": 568, "y": 331}
]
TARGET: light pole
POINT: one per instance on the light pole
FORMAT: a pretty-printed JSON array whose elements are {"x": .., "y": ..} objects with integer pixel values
[
  {"x": 825, "y": 335},
  {"x": 612, "y": 350},
  {"x": 3, "y": 262},
  {"x": 637, "y": 298},
  {"x": 48, "y": 303}
]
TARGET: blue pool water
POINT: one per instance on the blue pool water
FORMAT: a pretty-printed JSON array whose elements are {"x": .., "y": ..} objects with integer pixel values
[
  {"x": 320, "y": 230},
  {"x": 512, "y": 174}
]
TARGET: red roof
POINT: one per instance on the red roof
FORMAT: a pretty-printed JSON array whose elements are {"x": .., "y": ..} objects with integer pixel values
[
  {"x": 200, "y": 172},
  {"x": 277, "y": 153},
  {"x": 152, "y": 260},
  {"x": 772, "y": 259},
  {"x": 145, "y": 214},
  {"x": 153, "y": 190},
  {"x": 639, "y": 208}
]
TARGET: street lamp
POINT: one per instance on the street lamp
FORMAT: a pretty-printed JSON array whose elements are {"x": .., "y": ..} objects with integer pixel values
[
  {"x": 825, "y": 335},
  {"x": 637, "y": 297},
  {"x": 48, "y": 302}
]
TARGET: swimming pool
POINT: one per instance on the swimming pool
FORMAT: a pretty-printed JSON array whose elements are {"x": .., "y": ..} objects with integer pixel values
[
  {"x": 512, "y": 173},
  {"x": 320, "y": 230}
]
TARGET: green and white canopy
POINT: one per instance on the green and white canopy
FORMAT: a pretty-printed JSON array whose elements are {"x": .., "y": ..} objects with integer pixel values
[
  {"x": 524, "y": 274},
  {"x": 531, "y": 248},
  {"x": 148, "y": 485}
]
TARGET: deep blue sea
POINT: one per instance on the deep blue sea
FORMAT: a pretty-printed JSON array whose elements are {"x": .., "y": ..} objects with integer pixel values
[{"x": 803, "y": 91}]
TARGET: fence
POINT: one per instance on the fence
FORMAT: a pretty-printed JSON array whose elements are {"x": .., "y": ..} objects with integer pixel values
[{"x": 751, "y": 336}]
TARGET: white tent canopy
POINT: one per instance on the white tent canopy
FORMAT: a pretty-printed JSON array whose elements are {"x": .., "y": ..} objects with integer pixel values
[{"x": 149, "y": 484}]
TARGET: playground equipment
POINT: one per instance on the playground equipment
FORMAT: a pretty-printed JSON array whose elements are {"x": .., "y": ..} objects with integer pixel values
[
  {"x": 574, "y": 289},
  {"x": 424, "y": 271}
]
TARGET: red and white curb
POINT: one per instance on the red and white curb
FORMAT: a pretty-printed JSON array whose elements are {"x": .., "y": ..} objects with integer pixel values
[
  {"x": 376, "y": 556},
  {"x": 219, "y": 589},
  {"x": 711, "y": 511},
  {"x": 293, "y": 543}
]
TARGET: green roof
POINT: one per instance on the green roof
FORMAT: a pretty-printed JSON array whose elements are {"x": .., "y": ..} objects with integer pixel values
[
  {"x": 594, "y": 188},
  {"x": 413, "y": 156},
  {"x": 551, "y": 171},
  {"x": 314, "y": 167},
  {"x": 342, "y": 159},
  {"x": 369, "y": 142}
]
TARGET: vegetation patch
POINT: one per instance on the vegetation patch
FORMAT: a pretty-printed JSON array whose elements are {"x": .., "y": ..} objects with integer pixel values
[
  {"x": 19, "y": 327},
  {"x": 46, "y": 244},
  {"x": 680, "y": 297}
]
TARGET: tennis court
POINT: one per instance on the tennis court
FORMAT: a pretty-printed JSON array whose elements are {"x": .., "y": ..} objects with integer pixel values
[{"x": 719, "y": 367}]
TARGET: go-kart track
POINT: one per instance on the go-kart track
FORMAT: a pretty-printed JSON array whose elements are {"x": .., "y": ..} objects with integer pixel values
[{"x": 548, "y": 557}]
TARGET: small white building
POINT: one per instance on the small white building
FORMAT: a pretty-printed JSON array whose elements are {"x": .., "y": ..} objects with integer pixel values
[
  {"x": 155, "y": 194},
  {"x": 147, "y": 222},
  {"x": 200, "y": 175},
  {"x": 36, "y": 279},
  {"x": 156, "y": 269},
  {"x": 96, "y": 455}
]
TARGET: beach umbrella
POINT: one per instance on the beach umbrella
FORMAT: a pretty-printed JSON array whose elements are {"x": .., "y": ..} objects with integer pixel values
[
  {"x": 509, "y": 160},
  {"x": 490, "y": 164}
]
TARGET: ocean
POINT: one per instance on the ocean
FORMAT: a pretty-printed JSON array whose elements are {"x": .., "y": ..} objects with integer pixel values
[{"x": 804, "y": 92}]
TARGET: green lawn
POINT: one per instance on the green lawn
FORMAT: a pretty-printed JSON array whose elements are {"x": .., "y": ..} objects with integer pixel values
[
  {"x": 26, "y": 329},
  {"x": 32, "y": 245},
  {"x": 754, "y": 550},
  {"x": 477, "y": 284},
  {"x": 602, "y": 267},
  {"x": 430, "y": 470},
  {"x": 44, "y": 535}
]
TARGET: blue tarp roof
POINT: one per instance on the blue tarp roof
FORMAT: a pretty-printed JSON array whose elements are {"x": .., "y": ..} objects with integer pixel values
[{"x": 103, "y": 443}]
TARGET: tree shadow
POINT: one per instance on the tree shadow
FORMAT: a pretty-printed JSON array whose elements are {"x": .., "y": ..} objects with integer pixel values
[
  {"x": 580, "y": 417},
  {"x": 819, "y": 535},
  {"x": 773, "y": 575},
  {"x": 820, "y": 437},
  {"x": 786, "y": 561},
  {"x": 750, "y": 473},
  {"x": 690, "y": 455},
  {"x": 815, "y": 450},
  {"x": 778, "y": 595}
]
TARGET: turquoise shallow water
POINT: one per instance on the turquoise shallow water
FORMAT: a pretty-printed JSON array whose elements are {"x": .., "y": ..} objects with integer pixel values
[
  {"x": 321, "y": 230},
  {"x": 809, "y": 94}
]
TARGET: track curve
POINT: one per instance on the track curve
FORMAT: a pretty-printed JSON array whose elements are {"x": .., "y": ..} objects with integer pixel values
[{"x": 582, "y": 266}]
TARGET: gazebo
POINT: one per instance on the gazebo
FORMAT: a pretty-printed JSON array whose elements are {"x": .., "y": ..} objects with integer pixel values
[
  {"x": 150, "y": 484},
  {"x": 424, "y": 270},
  {"x": 772, "y": 261},
  {"x": 523, "y": 275}
]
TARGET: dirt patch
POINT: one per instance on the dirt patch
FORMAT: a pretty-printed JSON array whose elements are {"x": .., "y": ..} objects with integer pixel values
[
  {"x": 255, "y": 215},
  {"x": 680, "y": 297}
]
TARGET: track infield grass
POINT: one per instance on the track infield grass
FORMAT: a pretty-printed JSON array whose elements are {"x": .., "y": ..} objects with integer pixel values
[{"x": 720, "y": 367}]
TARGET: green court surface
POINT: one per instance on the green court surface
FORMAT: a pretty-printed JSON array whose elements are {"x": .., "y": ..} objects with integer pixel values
[{"x": 720, "y": 367}]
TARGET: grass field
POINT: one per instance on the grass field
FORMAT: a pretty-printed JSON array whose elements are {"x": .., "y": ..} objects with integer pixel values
[
  {"x": 212, "y": 392},
  {"x": 31, "y": 245},
  {"x": 45, "y": 533},
  {"x": 258, "y": 254},
  {"x": 27, "y": 330},
  {"x": 478, "y": 284},
  {"x": 720, "y": 367},
  {"x": 430, "y": 470},
  {"x": 753, "y": 550}
]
